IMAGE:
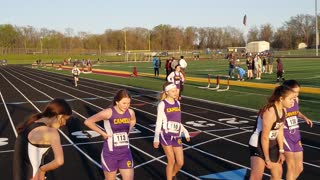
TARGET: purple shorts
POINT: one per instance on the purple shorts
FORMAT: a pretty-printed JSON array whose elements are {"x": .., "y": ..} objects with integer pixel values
[
  {"x": 292, "y": 141},
  {"x": 292, "y": 146},
  {"x": 113, "y": 162},
  {"x": 168, "y": 140}
]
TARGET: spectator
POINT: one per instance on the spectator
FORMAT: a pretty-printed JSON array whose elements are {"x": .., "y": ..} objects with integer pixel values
[
  {"x": 249, "y": 67},
  {"x": 174, "y": 63},
  {"x": 264, "y": 65},
  {"x": 270, "y": 63},
  {"x": 241, "y": 73},
  {"x": 258, "y": 67},
  {"x": 156, "y": 65},
  {"x": 231, "y": 67},
  {"x": 168, "y": 67},
  {"x": 280, "y": 70}
]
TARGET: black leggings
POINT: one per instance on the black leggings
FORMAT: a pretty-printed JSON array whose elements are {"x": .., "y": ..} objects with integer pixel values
[{"x": 156, "y": 71}]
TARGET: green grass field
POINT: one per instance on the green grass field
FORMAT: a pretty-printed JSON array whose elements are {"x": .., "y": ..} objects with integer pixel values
[{"x": 304, "y": 70}]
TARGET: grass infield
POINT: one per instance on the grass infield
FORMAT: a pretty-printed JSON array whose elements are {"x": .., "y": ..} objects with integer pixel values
[{"x": 306, "y": 71}]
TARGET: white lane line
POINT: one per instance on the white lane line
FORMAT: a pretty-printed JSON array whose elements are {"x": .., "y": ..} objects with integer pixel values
[
  {"x": 8, "y": 113},
  {"x": 86, "y": 118},
  {"x": 68, "y": 139},
  {"x": 148, "y": 113}
]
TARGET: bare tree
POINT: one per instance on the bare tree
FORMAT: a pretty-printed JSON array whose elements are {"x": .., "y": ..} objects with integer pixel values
[{"x": 266, "y": 32}]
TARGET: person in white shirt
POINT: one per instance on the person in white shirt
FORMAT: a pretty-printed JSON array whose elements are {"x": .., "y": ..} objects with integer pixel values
[{"x": 75, "y": 72}]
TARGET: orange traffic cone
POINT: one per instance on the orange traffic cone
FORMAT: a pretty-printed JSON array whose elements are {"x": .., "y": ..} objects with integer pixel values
[{"x": 135, "y": 73}]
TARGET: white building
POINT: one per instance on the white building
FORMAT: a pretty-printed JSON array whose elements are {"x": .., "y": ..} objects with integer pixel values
[{"x": 257, "y": 46}]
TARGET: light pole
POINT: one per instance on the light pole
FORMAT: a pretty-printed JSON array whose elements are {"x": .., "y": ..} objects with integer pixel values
[
  {"x": 317, "y": 34},
  {"x": 41, "y": 44}
]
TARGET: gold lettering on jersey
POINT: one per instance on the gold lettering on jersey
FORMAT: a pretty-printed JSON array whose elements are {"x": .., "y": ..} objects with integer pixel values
[
  {"x": 174, "y": 109},
  {"x": 293, "y": 113},
  {"x": 121, "y": 121}
]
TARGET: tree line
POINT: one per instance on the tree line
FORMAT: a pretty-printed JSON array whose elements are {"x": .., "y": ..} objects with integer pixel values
[{"x": 299, "y": 28}]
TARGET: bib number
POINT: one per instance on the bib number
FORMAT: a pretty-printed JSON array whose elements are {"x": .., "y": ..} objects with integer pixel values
[
  {"x": 120, "y": 139},
  {"x": 273, "y": 134},
  {"x": 292, "y": 122},
  {"x": 173, "y": 127}
]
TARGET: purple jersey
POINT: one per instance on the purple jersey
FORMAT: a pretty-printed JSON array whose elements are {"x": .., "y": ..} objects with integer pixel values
[
  {"x": 291, "y": 125},
  {"x": 177, "y": 80},
  {"x": 118, "y": 125},
  {"x": 173, "y": 115}
]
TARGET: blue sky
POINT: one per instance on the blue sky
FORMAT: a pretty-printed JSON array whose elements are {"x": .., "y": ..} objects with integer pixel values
[{"x": 95, "y": 16}]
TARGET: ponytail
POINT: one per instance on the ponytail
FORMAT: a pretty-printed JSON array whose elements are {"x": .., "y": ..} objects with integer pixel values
[
  {"x": 163, "y": 94},
  {"x": 21, "y": 127},
  {"x": 55, "y": 107},
  {"x": 280, "y": 91}
]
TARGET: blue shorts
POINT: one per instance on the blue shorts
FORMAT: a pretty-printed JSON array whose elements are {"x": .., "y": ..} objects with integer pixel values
[
  {"x": 111, "y": 162},
  {"x": 168, "y": 140}
]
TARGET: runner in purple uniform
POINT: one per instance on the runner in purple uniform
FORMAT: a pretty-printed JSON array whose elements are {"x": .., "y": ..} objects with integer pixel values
[
  {"x": 118, "y": 121},
  {"x": 292, "y": 139},
  {"x": 169, "y": 129},
  {"x": 177, "y": 78}
]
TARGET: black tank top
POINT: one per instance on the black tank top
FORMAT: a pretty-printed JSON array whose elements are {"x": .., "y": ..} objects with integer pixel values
[{"x": 22, "y": 166}]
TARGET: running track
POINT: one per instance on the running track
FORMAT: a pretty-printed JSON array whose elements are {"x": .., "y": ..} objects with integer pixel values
[{"x": 218, "y": 148}]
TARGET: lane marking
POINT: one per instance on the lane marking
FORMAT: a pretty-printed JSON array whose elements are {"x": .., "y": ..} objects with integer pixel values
[{"x": 8, "y": 113}]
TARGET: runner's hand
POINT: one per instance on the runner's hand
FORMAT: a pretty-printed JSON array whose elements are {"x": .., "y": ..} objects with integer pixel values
[
  {"x": 309, "y": 122},
  {"x": 156, "y": 144},
  {"x": 106, "y": 136},
  {"x": 268, "y": 164},
  {"x": 281, "y": 158},
  {"x": 188, "y": 139}
]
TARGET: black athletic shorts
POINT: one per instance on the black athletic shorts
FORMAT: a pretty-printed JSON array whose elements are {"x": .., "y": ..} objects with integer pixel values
[{"x": 273, "y": 152}]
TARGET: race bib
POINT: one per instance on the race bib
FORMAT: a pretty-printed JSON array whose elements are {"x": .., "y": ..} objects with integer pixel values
[
  {"x": 120, "y": 139},
  {"x": 292, "y": 122},
  {"x": 273, "y": 134},
  {"x": 173, "y": 127}
]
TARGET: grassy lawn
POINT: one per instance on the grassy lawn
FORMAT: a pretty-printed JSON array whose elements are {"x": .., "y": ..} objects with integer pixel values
[{"x": 304, "y": 70}]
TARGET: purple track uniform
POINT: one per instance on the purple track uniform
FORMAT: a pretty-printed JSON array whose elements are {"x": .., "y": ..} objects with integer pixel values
[
  {"x": 176, "y": 79},
  {"x": 255, "y": 145},
  {"x": 170, "y": 127},
  {"x": 292, "y": 137},
  {"x": 116, "y": 152}
]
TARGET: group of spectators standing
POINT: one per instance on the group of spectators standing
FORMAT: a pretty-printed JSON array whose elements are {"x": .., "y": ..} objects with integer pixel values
[{"x": 256, "y": 65}]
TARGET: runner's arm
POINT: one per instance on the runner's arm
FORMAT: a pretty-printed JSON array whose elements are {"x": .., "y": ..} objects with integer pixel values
[
  {"x": 102, "y": 115},
  {"x": 133, "y": 119},
  {"x": 161, "y": 120},
  {"x": 268, "y": 120}
]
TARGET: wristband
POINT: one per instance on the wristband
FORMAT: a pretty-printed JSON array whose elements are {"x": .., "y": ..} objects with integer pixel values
[{"x": 281, "y": 150}]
